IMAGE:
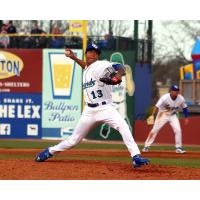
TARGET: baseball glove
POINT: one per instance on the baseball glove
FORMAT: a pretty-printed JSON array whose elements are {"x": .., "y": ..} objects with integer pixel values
[
  {"x": 150, "y": 120},
  {"x": 110, "y": 79}
]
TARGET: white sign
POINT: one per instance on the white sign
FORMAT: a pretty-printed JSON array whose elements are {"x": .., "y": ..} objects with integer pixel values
[
  {"x": 4, "y": 129},
  {"x": 32, "y": 129}
]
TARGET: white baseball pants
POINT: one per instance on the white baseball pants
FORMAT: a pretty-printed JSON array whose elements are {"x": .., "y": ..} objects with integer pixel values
[
  {"x": 160, "y": 121},
  {"x": 90, "y": 118}
]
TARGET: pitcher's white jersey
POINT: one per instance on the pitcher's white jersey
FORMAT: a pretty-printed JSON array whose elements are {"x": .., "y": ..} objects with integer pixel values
[
  {"x": 168, "y": 105},
  {"x": 94, "y": 90}
]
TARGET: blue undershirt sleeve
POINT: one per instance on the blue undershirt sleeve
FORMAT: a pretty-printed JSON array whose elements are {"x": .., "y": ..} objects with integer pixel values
[
  {"x": 185, "y": 112},
  {"x": 116, "y": 66}
]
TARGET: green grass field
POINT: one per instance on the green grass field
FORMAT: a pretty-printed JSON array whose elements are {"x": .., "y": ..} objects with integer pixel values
[
  {"x": 19, "y": 144},
  {"x": 28, "y": 144}
]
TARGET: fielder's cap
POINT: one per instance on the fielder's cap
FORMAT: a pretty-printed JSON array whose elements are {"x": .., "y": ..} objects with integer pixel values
[
  {"x": 93, "y": 47},
  {"x": 174, "y": 88}
]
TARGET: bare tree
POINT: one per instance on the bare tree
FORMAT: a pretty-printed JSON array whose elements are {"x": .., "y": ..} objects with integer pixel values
[
  {"x": 192, "y": 28},
  {"x": 98, "y": 27},
  {"x": 173, "y": 44},
  {"x": 175, "y": 40},
  {"x": 122, "y": 28},
  {"x": 119, "y": 27}
]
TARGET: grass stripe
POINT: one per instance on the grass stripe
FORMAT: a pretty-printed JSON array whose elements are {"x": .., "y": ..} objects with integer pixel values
[
  {"x": 195, "y": 163},
  {"x": 43, "y": 144},
  {"x": 172, "y": 148},
  {"x": 40, "y": 145}
]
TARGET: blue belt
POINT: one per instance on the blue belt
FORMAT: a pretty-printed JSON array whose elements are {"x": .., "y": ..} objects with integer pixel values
[{"x": 94, "y": 105}]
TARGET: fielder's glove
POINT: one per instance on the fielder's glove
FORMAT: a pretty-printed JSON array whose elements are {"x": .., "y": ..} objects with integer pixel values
[
  {"x": 150, "y": 120},
  {"x": 112, "y": 79}
]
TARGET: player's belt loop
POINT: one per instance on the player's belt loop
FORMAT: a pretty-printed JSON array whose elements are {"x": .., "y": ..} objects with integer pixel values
[
  {"x": 94, "y": 105},
  {"x": 118, "y": 102}
]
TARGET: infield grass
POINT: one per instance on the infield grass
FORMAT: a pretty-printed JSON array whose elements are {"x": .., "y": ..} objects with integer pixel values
[
  {"x": 18, "y": 144},
  {"x": 28, "y": 144}
]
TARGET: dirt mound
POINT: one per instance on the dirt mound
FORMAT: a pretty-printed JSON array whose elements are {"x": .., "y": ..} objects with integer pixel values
[{"x": 61, "y": 169}]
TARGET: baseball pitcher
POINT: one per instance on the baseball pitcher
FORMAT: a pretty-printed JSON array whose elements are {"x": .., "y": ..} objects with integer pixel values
[
  {"x": 98, "y": 78},
  {"x": 167, "y": 107}
]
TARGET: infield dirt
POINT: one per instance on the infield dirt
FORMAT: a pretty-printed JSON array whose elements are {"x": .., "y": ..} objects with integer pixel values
[{"x": 13, "y": 168}]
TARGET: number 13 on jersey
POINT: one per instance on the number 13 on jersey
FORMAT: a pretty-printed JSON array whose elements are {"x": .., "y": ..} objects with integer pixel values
[{"x": 97, "y": 94}]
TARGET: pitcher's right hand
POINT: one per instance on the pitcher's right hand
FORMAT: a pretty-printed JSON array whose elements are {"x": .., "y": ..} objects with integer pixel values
[{"x": 69, "y": 53}]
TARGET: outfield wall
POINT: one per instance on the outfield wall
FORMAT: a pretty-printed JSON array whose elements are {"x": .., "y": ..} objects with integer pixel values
[
  {"x": 143, "y": 90},
  {"x": 191, "y": 132}
]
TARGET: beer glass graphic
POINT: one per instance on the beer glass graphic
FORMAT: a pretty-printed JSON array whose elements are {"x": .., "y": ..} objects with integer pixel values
[{"x": 62, "y": 70}]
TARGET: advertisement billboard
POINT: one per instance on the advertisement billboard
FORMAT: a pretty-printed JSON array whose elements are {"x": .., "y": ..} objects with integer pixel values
[
  {"x": 20, "y": 115},
  {"x": 62, "y": 93},
  {"x": 20, "y": 93},
  {"x": 21, "y": 71}
]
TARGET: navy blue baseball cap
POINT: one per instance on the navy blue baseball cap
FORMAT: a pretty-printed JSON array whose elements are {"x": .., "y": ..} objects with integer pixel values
[
  {"x": 93, "y": 47},
  {"x": 174, "y": 88}
]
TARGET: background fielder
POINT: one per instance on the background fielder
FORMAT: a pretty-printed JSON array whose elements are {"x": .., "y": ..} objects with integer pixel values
[
  {"x": 167, "y": 107},
  {"x": 98, "y": 78}
]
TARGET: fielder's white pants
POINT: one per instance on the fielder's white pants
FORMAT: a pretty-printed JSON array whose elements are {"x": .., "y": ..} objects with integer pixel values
[
  {"x": 91, "y": 117},
  {"x": 160, "y": 121}
]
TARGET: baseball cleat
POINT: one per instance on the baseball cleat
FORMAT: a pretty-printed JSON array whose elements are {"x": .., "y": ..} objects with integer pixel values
[
  {"x": 145, "y": 149},
  {"x": 44, "y": 155},
  {"x": 180, "y": 150},
  {"x": 138, "y": 161}
]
